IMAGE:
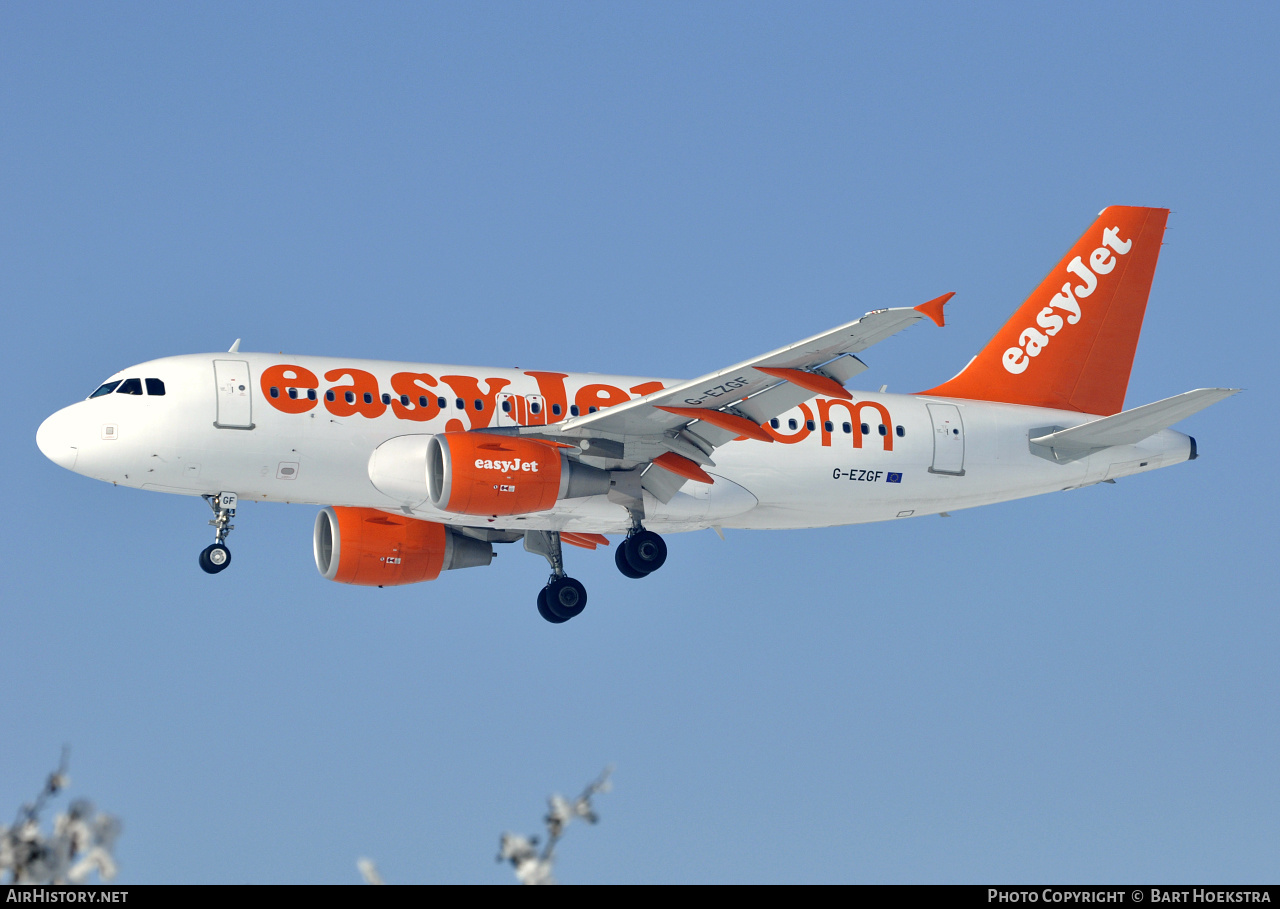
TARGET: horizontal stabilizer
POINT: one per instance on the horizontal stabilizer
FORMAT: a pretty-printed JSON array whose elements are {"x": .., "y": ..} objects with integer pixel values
[{"x": 1132, "y": 426}]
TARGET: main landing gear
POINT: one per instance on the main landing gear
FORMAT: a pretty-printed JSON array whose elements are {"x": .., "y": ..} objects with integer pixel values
[
  {"x": 563, "y": 597},
  {"x": 216, "y": 557},
  {"x": 641, "y": 553}
]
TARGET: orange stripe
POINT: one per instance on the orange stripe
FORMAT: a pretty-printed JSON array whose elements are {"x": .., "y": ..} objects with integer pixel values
[
  {"x": 819, "y": 385},
  {"x": 727, "y": 421},
  {"x": 682, "y": 467}
]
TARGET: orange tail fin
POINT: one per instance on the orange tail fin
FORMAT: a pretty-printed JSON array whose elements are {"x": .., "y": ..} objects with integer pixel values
[{"x": 1070, "y": 346}]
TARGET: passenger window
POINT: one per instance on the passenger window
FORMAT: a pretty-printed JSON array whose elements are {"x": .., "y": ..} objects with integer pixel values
[
  {"x": 884, "y": 430},
  {"x": 847, "y": 427},
  {"x": 828, "y": 426},
  {"x": 809, "y": 425},
  {"x": 330, "y": 396},
  {"x": 506, "y": 406},
  {"x": 535, "y": 407},
  {"x": 293, "y": 393},
  {"x": 386, "y": 399},
  {"x": 275, "y": 392},
  {"x": 866, "y": 430},
  {"x": 105, "y": 389},
  {"x": 460, "y": 404},
  {"x": 155, "y": 387},
  {"x": 774, "y": 422},
  {"x": 479, "y": 404},
  {"x": 573, "y": 410},
  {"x": 311, "y": 394},
  {"x": 555, "y": 409},
  {"x": 350, "y": 396},
  {"x": 592, "y": 409},
  {"x": 130, "y": 387},
  {"x": 422, "y": 401},
  {"x": 792, "y": 424},
  {"x": 441, "y": 403},
  {"x": 404, "y": 401},
  {"x": 901, "y": 432},
  {"x": 368, "y": 397}
]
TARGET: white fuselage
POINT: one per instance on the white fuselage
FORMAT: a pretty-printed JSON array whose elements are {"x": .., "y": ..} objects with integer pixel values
[{"x": 206, "y": 434}]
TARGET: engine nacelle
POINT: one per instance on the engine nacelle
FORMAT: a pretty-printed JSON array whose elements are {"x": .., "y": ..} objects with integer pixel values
[
  {"x": 488, "y": 474},
  {"x": 375, "y": 549}
]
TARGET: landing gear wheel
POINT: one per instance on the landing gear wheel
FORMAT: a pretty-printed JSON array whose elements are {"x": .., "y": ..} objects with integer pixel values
[
  {"x": 620, "y": 559},
  {"x": 215, "y": 558},
  {"x": 565, "y": 598},
  {"x": 645, "y": 551},
  {"x": 545, "y": 611}
]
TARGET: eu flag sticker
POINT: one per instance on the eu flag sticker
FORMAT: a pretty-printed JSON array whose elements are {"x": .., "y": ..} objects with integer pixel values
[{"x": 893, "y": 478}]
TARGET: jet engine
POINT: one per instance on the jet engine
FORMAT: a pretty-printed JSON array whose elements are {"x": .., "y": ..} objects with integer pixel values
[
  {"x": 375, "y": 549},
  {"x": 483, "y": 474}
]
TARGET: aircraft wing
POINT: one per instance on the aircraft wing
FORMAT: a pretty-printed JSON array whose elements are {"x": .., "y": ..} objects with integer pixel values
[{"x": 691, "y": 419}]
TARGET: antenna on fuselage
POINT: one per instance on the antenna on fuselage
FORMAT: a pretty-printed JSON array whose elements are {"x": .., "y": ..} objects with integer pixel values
[{"x": 234, "y": 348}]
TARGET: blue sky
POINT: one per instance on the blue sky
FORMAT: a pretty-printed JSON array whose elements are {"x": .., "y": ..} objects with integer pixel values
[{"x": 1078, "y": 687}]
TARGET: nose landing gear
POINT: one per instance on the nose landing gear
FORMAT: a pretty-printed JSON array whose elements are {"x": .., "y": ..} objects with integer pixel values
[
  {"x": 563, "y": 597},
  {"x": 216, "y": 557}
]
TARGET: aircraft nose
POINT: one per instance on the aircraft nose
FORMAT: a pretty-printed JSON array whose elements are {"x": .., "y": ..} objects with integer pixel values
[{"x": 56, "y": 440}]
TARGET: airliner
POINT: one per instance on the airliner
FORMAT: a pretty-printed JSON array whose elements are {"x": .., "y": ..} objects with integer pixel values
[{"x": 422, "y": 467}]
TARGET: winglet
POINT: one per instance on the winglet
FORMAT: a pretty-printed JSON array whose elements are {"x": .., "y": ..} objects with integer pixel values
[
  {"x": 234, "y": 348},
  {"x": 933, "y": 309}
]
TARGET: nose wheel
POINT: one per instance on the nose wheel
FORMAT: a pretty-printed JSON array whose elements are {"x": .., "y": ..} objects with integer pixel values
[
  {"x": 214, "y": 558},
  {"x": 217, "y": 557}
]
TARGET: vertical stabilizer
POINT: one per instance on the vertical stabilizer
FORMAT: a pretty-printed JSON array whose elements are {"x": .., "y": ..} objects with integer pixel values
[{"x": 1070, "y": 346}]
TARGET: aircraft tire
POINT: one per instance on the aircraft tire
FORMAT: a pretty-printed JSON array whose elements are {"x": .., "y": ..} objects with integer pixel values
[
  {"x": 620, "y": 559},
  {"x": 645, "y": 551},
  {"x": 545, "y": 611},
  {"x": 566, "y": 598},
  {"x": 215, "y": 558}
]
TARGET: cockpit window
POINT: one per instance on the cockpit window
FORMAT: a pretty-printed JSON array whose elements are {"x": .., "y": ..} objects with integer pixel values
[
  {"x": 105, "y": 389},
  {"x": 130, "y": 387},
  {"x": 155, "y": 387}
]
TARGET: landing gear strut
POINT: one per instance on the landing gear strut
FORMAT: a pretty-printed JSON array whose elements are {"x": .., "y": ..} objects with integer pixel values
[
  {"x": 216, "y": 557},
  {"x": 563, "y": 597},
  {"x": 641, "y": 553}
]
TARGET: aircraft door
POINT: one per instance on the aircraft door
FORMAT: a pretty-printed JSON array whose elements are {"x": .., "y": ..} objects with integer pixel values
[
  {"x": 948, "y": 439},
  {"x": 537, "y": 410},
  {"x": 508, "y": 410},
  {"x": 235, "y": 407}
]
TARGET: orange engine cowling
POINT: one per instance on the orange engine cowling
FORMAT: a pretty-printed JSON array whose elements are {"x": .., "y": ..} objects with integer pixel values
[
  {"x": 375, "y": 549},
  {"x": 487, "y": 474}
]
